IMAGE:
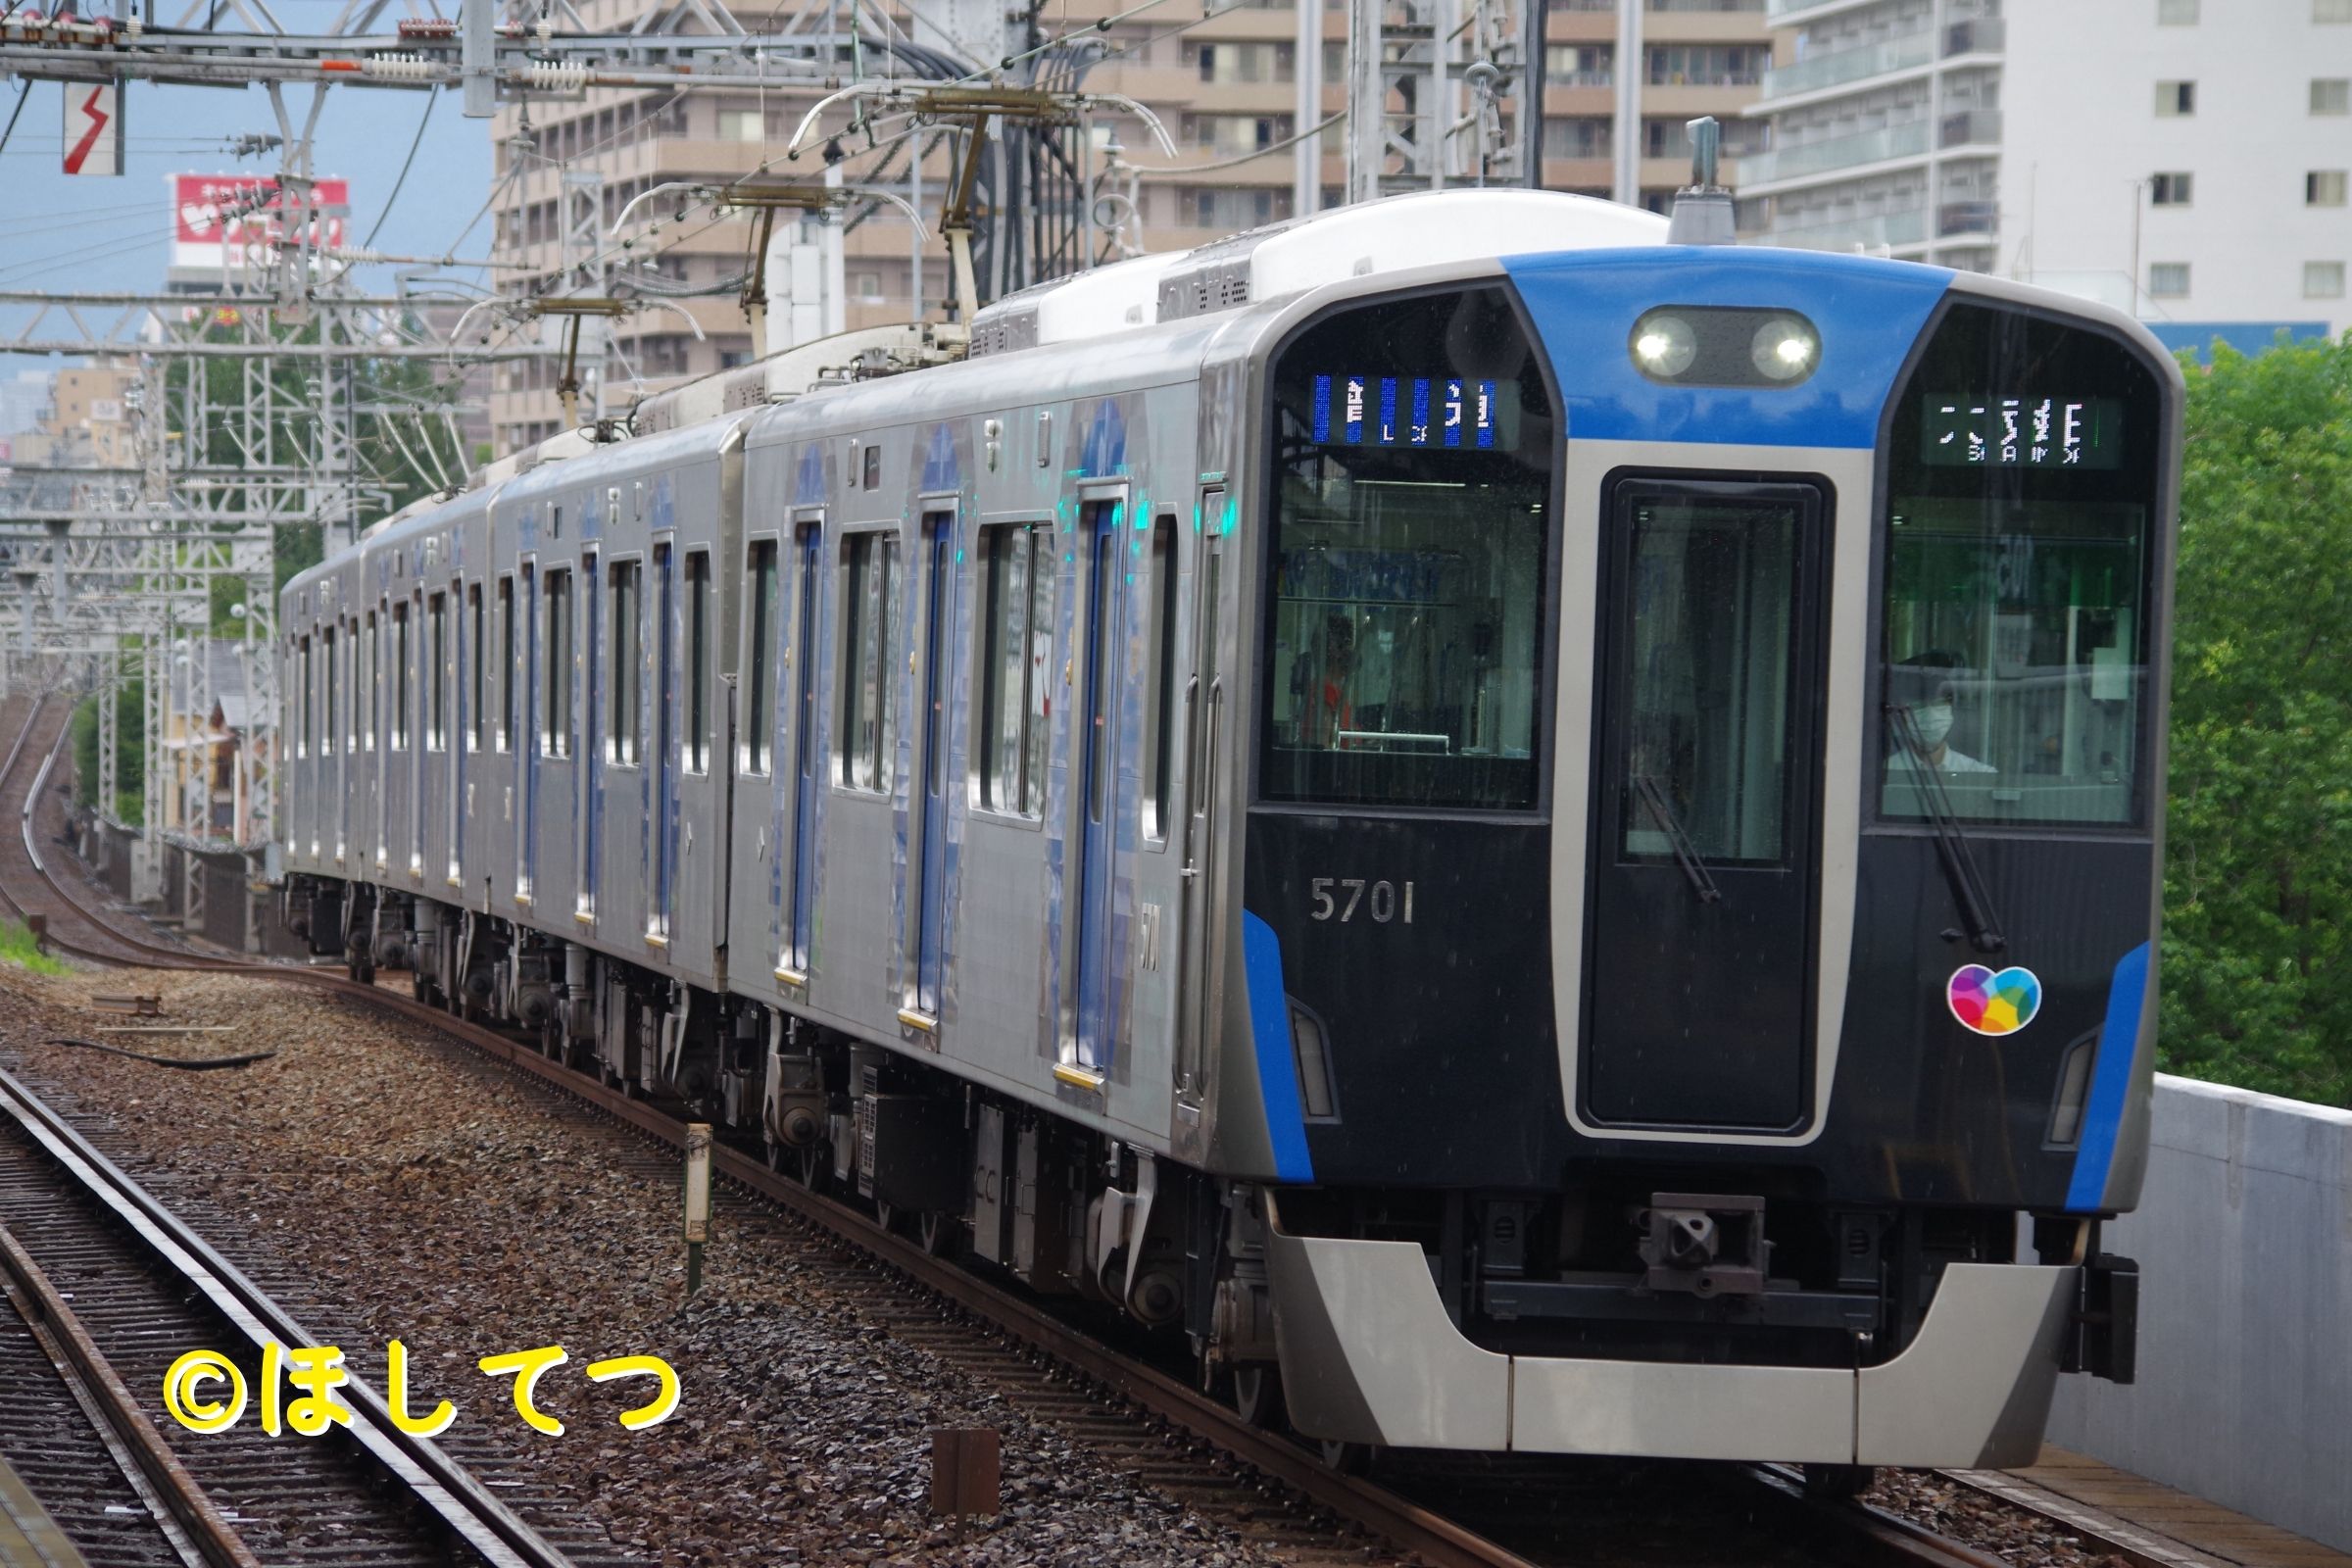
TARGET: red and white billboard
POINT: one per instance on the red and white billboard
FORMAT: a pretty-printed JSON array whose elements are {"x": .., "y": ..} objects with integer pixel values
[{"x": 238, "y": 219}]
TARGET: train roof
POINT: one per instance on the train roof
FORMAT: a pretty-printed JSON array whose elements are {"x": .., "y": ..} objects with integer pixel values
[{"x": 1425, "y": 228}]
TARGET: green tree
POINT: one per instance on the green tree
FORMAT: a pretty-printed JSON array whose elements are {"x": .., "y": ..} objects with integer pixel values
[
  {"x": 2258, "y": 876},
  {"x": 130, "y": 760}
]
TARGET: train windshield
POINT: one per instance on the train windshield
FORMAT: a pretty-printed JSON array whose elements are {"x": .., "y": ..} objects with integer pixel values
[
  {"x": 1412, "y": 504},
  {"x": 2015, "y": 605}
]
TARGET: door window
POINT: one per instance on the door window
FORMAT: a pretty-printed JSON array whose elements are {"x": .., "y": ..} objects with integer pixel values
[{"x": 1705, "y": 679}]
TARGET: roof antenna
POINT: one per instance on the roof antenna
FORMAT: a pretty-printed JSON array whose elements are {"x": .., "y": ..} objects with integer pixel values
[{"x": 1702, "y": 210}]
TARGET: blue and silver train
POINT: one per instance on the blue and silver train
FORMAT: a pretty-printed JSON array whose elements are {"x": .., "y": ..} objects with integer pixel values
[{"x": 1539, "y": 840}]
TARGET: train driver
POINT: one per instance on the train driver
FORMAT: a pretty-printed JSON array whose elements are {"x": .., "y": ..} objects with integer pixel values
[{"x": 1924, "y": 683}]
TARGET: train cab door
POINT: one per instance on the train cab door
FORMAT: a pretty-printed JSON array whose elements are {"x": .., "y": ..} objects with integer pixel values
[
  {"x": 1097, "y": 738},
  {"x": 1698, "y": 988},
  {"x": 808, "y": 765},
  {"x": 938, "y": 620},
  {"x": 666, "y": 737},
  {"x": 1205, "y": 726}
]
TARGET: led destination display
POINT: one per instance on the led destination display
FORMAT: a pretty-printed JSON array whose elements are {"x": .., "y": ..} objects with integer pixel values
[
  {"x": 1960, "y": 430},
  {"x": 1392, "y": 411}
]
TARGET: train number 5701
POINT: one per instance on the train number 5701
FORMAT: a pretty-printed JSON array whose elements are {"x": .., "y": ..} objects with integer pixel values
[{"x": 1377, "y": 900}]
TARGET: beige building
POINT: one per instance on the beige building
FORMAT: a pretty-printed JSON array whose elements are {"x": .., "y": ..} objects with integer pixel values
[
  {"x": 1621, "y": 77},
  {"x": 85, "y": 423}
]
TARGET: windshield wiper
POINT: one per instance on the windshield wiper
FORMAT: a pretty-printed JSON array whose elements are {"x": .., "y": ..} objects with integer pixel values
[
  {"x": 1959, "y": 866},
  {"x": 1693, "y": 868}
]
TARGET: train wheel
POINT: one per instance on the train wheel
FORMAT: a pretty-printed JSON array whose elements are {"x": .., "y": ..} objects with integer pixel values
[
  {"x": 941, "y": 1233},
  {"x": 1840, "y": 1482},
  {"x": 813, "y": 1167},
  {"x": 1347, "y": 1458},
  {"x": 887, "y": 1215},
  {"x": 1258, "y": 1394}
]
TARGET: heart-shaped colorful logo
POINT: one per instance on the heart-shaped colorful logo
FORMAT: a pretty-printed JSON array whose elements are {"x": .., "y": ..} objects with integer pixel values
[{"x": 1995, "y": 1004}]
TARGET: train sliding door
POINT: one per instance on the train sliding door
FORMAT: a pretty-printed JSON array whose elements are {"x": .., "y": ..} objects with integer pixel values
[
  {"x": 1699, "y": 992},
  {"x": 1205, "y": 704},
  {"x": 589, "y": 790},
  {"x": 939, "y": 619},
  {"x": 665, "y": 738},
  {"x": 807, "y": 764},
  {"x": 1097, "y": 738}
]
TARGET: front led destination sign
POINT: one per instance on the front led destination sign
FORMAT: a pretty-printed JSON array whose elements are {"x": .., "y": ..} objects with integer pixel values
[
  {"x": 1390, "y": 411},
  {"x": 1976, "y": 431}
]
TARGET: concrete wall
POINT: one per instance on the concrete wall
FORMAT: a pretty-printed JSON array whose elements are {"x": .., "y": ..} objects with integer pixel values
[{"x": 2244, "y": 1238}]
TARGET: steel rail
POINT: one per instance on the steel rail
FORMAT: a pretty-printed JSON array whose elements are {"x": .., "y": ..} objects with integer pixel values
[
  {"x": 190, "y": 1520},
  {"x": 443, "y": 1485},
  {"x": 1880, "y": 1533}
]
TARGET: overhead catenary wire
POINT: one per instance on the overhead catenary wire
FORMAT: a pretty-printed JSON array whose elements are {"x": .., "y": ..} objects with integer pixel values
[
  {"x": 80, "y": 253},
  {"x": 23, "y": 93},
  {"x": 432, "y": 97},
  {"x": 1251, "y": 157}
]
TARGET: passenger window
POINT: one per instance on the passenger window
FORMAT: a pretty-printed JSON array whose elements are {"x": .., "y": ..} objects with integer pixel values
[
  {"x": 477, "y": 693},
  {"x": 697, "y": 661},
  {"x": 507, "y": 674},
  {"x": 869, "y": 594},
  {"x": 555, "y": 738},
  {"x": 436, "y": 686},
  {"x": 327, "y": 693},
  {"x": 400, "y": 676},
  {"x": 629, "y": 681},
  {"x": 1160, "y": 766},
  {"x": 760, "y": 723},
  {"x": 302, "y": 747},
  {"x": 1016, "y": 649}
]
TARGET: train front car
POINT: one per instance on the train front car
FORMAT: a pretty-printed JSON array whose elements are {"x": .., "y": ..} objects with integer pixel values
[{"x": 1702, "y": 854}]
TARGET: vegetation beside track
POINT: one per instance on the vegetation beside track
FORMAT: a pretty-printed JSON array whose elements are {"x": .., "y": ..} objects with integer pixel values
[{"x": 2257, "y": 961}]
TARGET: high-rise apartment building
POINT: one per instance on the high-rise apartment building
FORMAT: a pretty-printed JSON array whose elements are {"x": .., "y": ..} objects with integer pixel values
[
  {"x": 2181, "y": 160},
  {"x": 1621, "y": 78}
]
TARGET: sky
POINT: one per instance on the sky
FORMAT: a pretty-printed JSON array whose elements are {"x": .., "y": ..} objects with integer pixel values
[{"x": 83, "y": 233}]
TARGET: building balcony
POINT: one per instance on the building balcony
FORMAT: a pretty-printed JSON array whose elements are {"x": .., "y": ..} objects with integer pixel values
[
  {"x": 1849, "y": 65},
  {"x": 1968, "y": 218},
  {"x": 1978, "y": 35},
  {"x": 1837, "y": 153},
  {"x": 1971, "y": 127},
  {"x": 1888, "y": 229},
  {"x": 1783, "y": 13}
]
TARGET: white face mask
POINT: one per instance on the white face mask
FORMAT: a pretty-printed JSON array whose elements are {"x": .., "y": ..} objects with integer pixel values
[{"x": 1935, "y": 721}]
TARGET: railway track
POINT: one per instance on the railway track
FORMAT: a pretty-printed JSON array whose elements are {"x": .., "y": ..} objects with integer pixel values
[
  {"x": 124, "y": 1288},
  {"x": 1484, "y": 1512}
]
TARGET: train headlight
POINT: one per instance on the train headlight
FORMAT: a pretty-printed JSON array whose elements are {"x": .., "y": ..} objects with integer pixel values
[
  {"x": 1785, "y": 348},
  {"x": 1664, "y": 345},
  {"x": 1724, "y": 345}
]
